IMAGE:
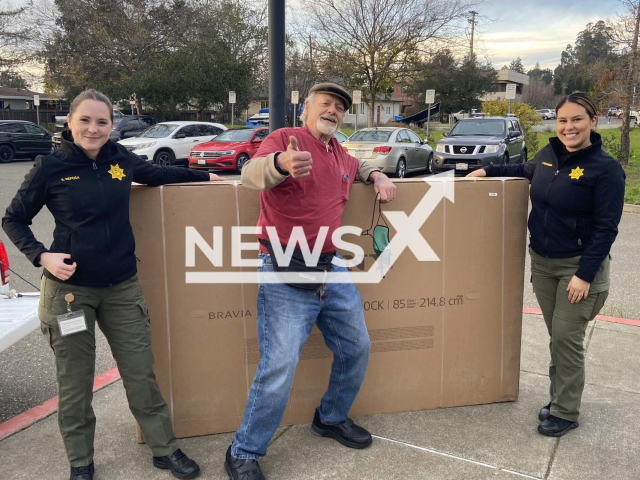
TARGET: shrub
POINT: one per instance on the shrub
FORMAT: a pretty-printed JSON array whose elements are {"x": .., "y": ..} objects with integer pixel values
[
  {"x": 525, "y": 113},
  {"x": 611, "y": 144}
]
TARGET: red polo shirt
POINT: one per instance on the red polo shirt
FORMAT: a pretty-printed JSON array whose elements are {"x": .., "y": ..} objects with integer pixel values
[{"x": 311, "y": 202}]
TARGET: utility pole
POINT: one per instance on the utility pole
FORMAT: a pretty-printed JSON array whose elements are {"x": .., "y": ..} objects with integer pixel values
[
  {"x": 276, "y": 65},
  {"x": 473, "y": 27}
]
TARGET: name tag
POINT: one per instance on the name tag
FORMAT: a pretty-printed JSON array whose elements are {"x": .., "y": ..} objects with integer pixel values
[{"x": 72, "y": 322}]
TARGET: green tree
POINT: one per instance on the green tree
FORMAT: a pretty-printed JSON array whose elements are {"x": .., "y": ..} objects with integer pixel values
[
  {"x": 543, "y": 74},
  {"x": 516, "y": 65},
  {"x": 580, "y": 65},
  {"x": 13, "y": 80},
  {"x": 110, "y": 45},
  {"x": 458, "y": 84},
  {"x": 594, "y": 44},
  {"x": 167, "y": 52}
]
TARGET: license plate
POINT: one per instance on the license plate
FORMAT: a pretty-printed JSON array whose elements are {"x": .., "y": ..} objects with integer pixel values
[
  {"x": 462, "y": 166},
  {"x": 202, "y": 161}
]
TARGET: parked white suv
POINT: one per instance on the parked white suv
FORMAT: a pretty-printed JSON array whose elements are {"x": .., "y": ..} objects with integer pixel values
[{"x": 165, "y": 143}]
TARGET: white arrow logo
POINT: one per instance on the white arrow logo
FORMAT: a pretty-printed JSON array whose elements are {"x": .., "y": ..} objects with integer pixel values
[{"x": 407, "y": 232}]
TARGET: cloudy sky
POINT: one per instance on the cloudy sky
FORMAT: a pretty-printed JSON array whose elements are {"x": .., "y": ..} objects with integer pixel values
[{"x": 536, "y": 31}]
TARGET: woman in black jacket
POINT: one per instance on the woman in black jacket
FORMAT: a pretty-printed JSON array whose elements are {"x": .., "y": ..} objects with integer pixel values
[
  {"x": 577, "y": 195},
  {"x": 90, "y": 276}
]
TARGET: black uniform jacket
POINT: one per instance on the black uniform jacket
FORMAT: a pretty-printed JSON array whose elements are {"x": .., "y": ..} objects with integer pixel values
[
  {"x": 89, "y": 201},
  {"x": 576, "y": 202}
]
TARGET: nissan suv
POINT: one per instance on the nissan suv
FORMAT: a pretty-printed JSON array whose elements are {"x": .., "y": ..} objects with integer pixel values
[{"x": 476, "y": 142}]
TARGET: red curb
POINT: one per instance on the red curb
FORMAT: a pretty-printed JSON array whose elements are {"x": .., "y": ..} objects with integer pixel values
[
  {"x": 35, "y": 414},
  {"x": 602, "y": 318}
]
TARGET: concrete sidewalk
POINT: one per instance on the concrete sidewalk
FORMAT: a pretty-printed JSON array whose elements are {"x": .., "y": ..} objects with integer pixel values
[{"x": 489, "y": 441}]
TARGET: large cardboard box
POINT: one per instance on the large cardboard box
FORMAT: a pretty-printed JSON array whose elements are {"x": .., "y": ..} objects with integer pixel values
[{"x": 444, "y": 333}]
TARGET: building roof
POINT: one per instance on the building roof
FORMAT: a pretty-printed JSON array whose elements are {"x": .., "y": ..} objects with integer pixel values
[
  {"x": 511, "y": 76},
  {"x": 24, "y": 94}
]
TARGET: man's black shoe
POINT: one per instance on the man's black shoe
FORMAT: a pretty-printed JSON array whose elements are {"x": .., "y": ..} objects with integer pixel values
[
  {"x": 180, "y": 465},
  {"x": 545, "y": 412},
  {"x": 82, "y": 473},
  {"x": 239, "y": 469},
  {"x": 556, "y": 427},
  {"x": 347, "y": 433}
]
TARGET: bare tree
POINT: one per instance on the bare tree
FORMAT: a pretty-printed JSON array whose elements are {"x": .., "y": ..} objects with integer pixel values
[
  {"x": 13, "y": 36},
  {"x": 625, "y": 33},
  {"x": 381, "y": 39},
  {"x": 540, "y": 95}
]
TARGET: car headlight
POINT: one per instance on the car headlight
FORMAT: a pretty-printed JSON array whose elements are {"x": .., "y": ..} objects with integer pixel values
[
  {"x": 440, "y": 148},
  {"x": 227, "y": 152},
  {"x": 144, "y": 145},
  {"x": 491, "y": 149}
]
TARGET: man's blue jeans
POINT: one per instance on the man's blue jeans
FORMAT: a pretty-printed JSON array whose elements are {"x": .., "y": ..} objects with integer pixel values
[{"x": 285, "y": 317}]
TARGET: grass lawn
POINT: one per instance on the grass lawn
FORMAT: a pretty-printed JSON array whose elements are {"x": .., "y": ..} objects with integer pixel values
[{"x": 632, "y": 190}]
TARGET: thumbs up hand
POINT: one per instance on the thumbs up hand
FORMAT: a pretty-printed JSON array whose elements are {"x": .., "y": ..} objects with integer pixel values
[{"x": 297, "y": 163}]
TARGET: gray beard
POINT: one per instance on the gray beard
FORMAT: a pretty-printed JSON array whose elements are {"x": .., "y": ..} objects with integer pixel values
[{"x": 326, "y": 129}]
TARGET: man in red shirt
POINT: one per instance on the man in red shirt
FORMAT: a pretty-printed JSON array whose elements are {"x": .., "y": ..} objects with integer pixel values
[{"x": 305, "y": 175}]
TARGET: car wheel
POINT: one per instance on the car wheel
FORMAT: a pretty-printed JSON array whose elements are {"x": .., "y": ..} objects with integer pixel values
[
  {"x": 6, "y": 153},
  {"x": 164, "y": 157},
  {"x": 523, "y": 155},
  {"x": 430, "y": 164},
  {"x": 242, "y": 159},
  {"x": 401, "y": 168}
]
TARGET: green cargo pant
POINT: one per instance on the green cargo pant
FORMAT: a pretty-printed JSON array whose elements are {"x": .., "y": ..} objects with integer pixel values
[
  {"x": 567, "y": 324},
  {"x": 122, "y": 315}
]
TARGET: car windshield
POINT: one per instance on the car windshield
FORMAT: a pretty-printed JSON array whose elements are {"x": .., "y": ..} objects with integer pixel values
[
  {"x": 484, "y": 127},
  {"x": 234, "y": 136},
  {"x": 117, "y": 121},
  {"x": 370, "y": 136},
  {"x": 159, "y": 130}
]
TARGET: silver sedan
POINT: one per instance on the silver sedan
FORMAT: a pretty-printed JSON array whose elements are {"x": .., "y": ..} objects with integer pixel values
[{"x": 395, "y": 150}]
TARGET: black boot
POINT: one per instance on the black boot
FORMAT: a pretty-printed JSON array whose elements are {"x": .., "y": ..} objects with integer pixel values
[
  {"x": 82, "y": 473},
  {"x": 180, "y": 465},
  {"x": 556, "y": 427},
  {"x": 347, "y": 433},
  {"x": 239, "y": 469}
]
